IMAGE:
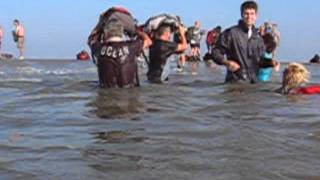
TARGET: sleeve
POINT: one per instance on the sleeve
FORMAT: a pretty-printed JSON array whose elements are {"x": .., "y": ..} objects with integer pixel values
[
  {"x": 137, "y": 46},
  {"x": 172, "y": 48},
  {"x": 221, "y": 48},
  {"x": 261, "y": 48}
]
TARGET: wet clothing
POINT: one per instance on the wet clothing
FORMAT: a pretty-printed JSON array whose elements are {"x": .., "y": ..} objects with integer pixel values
[
  {"x": 264, "y": 74},
  {"x": 117, "y": 65},
  {"x": 235, "y": 44},
  {"x": 308, "y": 90},
  {"x": 159, "y": 52}
]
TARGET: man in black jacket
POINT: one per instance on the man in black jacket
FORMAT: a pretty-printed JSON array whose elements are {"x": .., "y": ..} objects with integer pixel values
[{"x": 242, "y": 46}]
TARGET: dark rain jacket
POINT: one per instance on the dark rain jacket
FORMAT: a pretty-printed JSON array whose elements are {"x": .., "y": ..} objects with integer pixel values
[{"x": 234, "y": 44}]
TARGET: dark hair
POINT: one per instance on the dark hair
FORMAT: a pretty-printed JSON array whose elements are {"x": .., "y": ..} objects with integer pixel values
[
  {"x": 16, "y": 21},
  {"x": 162, "y": 29},
  {"x": 249, "y": 5}
]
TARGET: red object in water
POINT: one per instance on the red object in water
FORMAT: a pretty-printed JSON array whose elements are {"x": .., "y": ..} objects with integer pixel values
[
  {"x": 309, "y": 90},
  {"x": 83, "y": 56}
]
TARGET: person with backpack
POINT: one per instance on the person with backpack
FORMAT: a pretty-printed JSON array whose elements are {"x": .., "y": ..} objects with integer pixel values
[
  {"x": 241, "y": 49},
  {"x": 161, "y": 49},
  {"x": 194, "y": 35},
  {"x": 115, "y": 53},
  {"x": 271, "y": 38},
  {"x": 19, "y": 37},
  {"x": 212, "y": 37}
]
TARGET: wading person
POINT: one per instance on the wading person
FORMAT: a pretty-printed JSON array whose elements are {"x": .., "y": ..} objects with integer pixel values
[
  {"x": 19, "y": 37},
  {"x": 117, "y": 66},
  {"x": 161, "y": 49},
  {"x": 243, "y": 47}
]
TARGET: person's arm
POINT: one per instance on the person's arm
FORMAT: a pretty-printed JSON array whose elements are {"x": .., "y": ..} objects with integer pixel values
[
  {"x": 220, "y": 50},
  {"x": 146, "y": 39},
  {"x": 268, "y": 63},
  {"x": 183, "y": 44}
]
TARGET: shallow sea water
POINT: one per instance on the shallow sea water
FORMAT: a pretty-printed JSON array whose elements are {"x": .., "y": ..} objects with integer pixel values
[{"x": 55, "y": 123}]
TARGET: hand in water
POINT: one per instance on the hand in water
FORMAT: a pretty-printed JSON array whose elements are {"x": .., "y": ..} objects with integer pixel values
[
  {"x": 233, "y": 66},
  {"x": 277, "y": 67}
]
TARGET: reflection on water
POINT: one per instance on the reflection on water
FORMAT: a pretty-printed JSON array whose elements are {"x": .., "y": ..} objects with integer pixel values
[
  {"x": 57, "y": 124},
  {"x": 117, "y": 103}
]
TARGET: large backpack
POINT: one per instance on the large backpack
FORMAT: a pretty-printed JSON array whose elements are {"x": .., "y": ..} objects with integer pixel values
[
  {"x": 119, "y": 13},
  {"x": 97, "y": 34},
  {"x": 273, "y": 31},
  {"x": 153, "y": 23}
]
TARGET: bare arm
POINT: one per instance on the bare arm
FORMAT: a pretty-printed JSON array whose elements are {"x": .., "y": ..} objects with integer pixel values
[
  {"x": 183, "y": 44},
  {"x": 146, "y": 39}
]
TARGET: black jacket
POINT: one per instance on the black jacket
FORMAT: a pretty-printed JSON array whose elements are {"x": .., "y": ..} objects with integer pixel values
[{"x": 235, "y": 45}]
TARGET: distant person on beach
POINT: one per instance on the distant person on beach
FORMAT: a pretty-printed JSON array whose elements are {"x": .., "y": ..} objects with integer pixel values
[
  {"x": 19, "y": 37},
  {"x": 117, "y": 66},
  {"x": 1, "y": 38},
  {"x": 161, "y": 49},
  {"x": 243, "y": 47}
]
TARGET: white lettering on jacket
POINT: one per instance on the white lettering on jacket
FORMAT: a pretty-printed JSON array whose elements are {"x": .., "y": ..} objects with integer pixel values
[{"x": 120, "y": 54}]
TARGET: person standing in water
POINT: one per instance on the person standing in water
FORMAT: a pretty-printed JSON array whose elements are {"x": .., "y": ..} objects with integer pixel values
[
  {"x": 19, "y": 37},
  {"x": 161, "y": 49},
  {"x": 243, "y": 47},
  {"x": 117, "y": 66}
]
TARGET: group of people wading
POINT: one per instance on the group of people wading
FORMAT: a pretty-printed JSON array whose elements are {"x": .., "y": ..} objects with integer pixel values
[
  {"x": 247, "y": 52},
  {"x": 19, "y": 38}
]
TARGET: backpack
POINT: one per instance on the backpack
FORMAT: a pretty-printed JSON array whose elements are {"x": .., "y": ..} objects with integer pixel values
[
  {"x": 153, "y": 23},
  {"x": 272, "y": 30},
  {"x": 189, "y": 34},
  {"x": 119, "y": 13}
]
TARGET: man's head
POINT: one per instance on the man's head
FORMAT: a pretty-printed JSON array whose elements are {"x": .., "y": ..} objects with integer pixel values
[
  {"x": 113, "y": 28},
  {"x": 249, "y": 12},
  {"x": 197, "y": 24},
  {"x": 218, "y": 29},
  {"x": 164, "y": 33},
  {"x": 16, "y": 22}
]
